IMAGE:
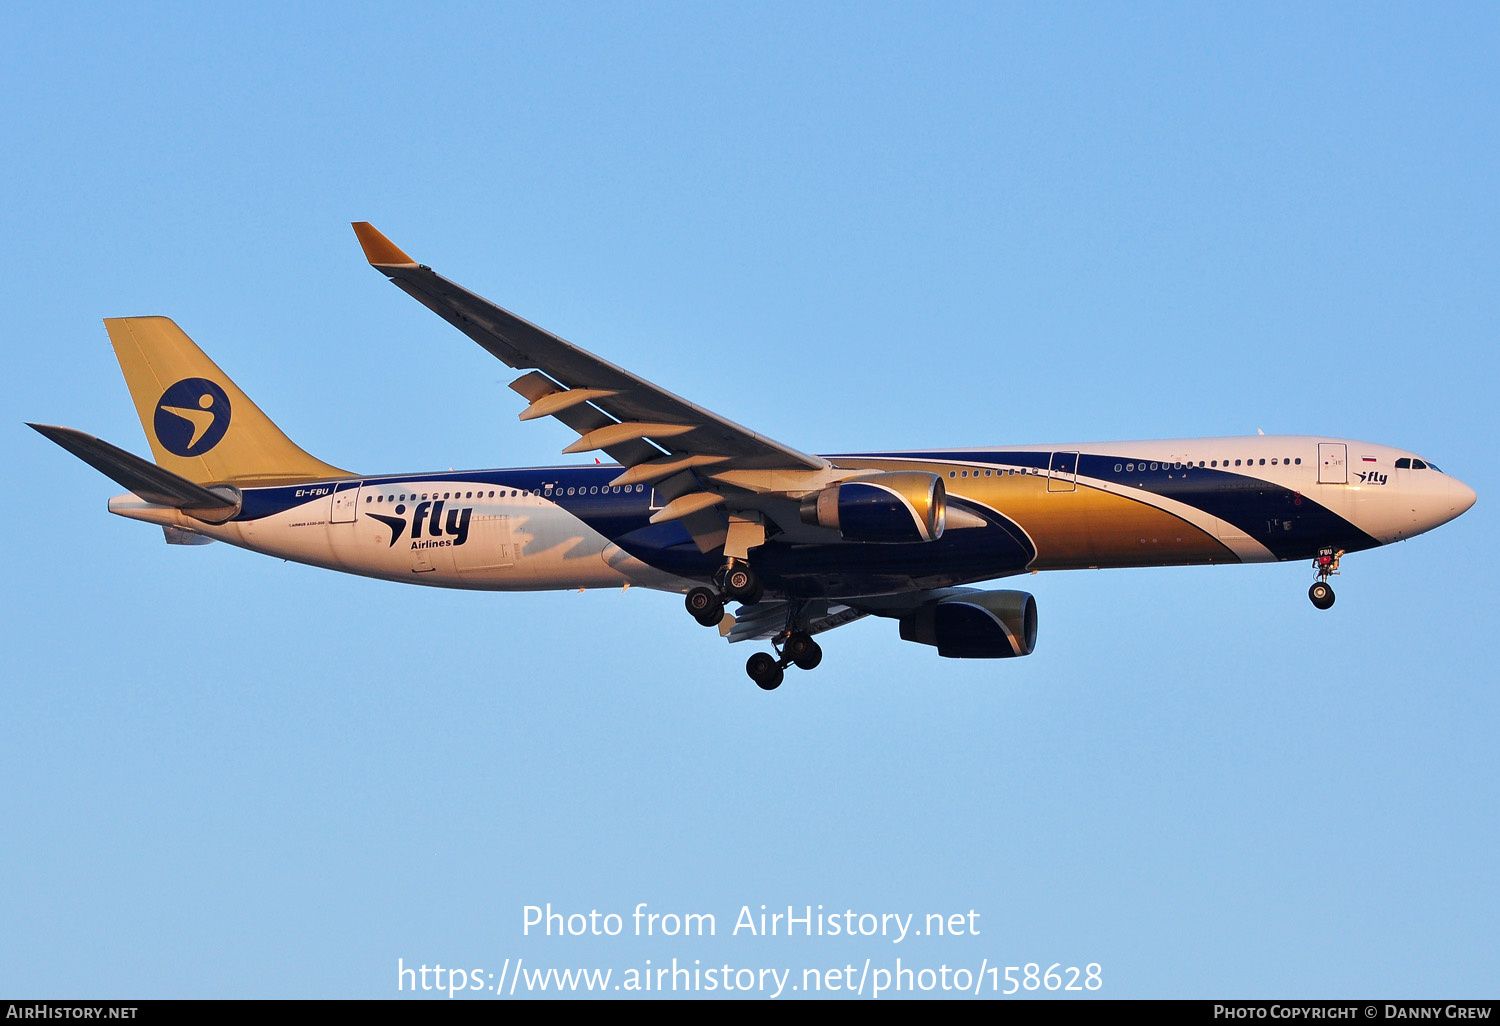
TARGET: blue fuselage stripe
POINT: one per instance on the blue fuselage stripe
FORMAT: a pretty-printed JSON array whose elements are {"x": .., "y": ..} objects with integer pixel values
[{"x": 623, "y": 516}]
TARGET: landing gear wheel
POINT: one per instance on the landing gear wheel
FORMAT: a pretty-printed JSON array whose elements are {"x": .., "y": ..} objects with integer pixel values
[
  {"x": 802, "y": 650},
  {"x": 741, "y": 584},
  {"x": 765, "y": 671},
  {"x": 1321, "y": 594},
  {"x": 705, "y": 606}
]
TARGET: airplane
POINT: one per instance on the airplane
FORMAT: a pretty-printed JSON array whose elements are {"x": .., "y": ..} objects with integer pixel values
[{"x": 697, "y": 505}]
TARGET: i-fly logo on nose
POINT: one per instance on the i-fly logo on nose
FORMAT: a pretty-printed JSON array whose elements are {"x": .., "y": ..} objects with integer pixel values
[
  {"x": 430, "y": 514},
  {"x": 191, "y": 417}
]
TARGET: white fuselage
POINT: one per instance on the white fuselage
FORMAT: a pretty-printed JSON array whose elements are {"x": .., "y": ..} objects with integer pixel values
[{"x": 486, "y": 532}]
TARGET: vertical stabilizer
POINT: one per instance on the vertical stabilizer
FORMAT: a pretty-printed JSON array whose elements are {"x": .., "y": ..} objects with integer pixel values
[{"x": 200, "y": 425}]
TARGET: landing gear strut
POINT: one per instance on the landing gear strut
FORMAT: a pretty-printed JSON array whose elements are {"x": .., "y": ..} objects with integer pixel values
[
  {"x": 802, "y": 650},
  {"x": 705, "y": 606},
  {"x": 740, "y": 583},
  {"x": 794, "y": 648},
  {"x": 1326, "y": 563},
  {"x": 766, "y": 670},
  {"x": 736, "y": 583}
]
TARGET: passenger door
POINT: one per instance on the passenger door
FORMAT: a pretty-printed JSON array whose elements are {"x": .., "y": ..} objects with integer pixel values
[
  {"x": 345, "y": 502},
  {"x": 1062, "y": 472},
  {"x": 1333, "y": 463}
]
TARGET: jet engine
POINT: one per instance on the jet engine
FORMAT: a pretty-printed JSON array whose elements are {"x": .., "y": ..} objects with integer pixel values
[
  {"x": 903, "y": 506},
  {"x": 975, "y": 625}
]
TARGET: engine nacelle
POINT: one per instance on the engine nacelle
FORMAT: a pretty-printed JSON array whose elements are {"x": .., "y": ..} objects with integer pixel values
[
  {"x": 976, "y": 625},
  {"x": 904, "y": 506}
]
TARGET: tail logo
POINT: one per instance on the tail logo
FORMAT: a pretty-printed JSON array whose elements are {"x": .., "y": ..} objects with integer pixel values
[{"x": 191, "y": 417}]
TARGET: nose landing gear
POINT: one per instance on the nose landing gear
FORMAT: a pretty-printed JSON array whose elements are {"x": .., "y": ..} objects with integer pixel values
[{"x": 1326, "y": 563}]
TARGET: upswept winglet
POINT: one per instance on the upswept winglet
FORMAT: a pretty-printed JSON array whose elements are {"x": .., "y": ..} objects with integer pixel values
[{"x": 379, "y": 250}]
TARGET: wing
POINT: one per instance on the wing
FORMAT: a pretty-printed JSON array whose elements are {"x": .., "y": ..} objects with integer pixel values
[{"x": 658, "y": 438}]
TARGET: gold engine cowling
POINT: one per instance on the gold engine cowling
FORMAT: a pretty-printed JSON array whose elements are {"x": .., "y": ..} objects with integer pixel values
[{"x": 903, "y": 506}]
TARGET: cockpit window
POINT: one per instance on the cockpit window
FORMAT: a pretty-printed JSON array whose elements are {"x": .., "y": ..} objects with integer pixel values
[
  {"x": 1418, "y": 465},
  {"x": 1433, "y": 466},
  {"x": 1404, "y": 463}
]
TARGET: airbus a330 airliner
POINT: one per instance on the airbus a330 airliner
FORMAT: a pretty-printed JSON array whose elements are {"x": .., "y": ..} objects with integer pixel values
[{"x": 697, "y": 505}]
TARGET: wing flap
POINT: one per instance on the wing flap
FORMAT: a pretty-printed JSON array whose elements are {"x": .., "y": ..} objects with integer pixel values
[{"x": 768, "y": 618}]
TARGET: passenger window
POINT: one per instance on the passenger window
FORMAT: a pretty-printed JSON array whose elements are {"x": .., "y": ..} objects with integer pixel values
[
  {"x": 1404, "y": 463},
  {"x": 1118, "y": 468}
]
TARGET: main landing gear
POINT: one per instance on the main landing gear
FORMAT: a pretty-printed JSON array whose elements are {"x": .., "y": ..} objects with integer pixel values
[
  {"x": 794, "y": 648},
  {"x": 1326, "y": 563},
  {"x": 736, "y": 583}
]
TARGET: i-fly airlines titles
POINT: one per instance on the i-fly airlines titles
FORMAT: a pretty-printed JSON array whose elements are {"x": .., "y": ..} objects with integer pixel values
[{"x": 698, "y": 505}]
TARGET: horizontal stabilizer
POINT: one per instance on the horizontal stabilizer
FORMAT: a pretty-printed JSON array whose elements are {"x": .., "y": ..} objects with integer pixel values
[{"x": 146, "y": 479}]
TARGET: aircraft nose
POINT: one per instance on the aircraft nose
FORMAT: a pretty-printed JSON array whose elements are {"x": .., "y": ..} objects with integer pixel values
[{"x": 1460, "y": 497}]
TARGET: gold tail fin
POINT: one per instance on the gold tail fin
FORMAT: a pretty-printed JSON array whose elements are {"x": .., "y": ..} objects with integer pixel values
[{"x": 200, "y": 425}]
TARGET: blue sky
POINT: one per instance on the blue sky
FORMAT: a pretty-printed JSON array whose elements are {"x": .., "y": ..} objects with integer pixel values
[{"x": 849, "y": 227}]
